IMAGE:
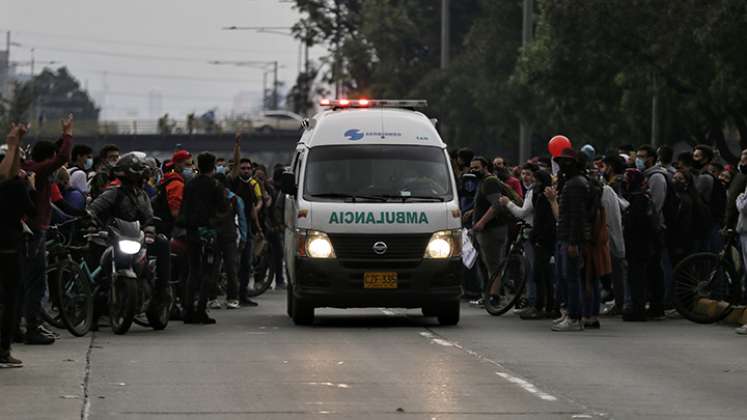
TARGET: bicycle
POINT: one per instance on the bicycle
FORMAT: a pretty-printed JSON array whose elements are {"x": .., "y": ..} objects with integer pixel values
[
  {"x": 57, "y": 241},
  {"x": 706, "y": 286},
  {"x": 263, "y": 271},
  {"x": 506, "y": 288}
]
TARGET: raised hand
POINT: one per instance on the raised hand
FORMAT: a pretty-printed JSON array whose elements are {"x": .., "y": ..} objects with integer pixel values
[
  {"x": 17, "y": 131},
  {"x": 67, "y": 125}
]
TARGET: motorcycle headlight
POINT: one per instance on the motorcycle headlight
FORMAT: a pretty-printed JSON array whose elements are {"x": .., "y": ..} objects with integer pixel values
[
  {"x": 316, "y": 244},
  {"x": 129, "y": 247},
  {"x": 444, "y": 244}
]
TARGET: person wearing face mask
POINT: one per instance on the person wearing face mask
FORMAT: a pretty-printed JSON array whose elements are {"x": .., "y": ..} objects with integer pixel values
[
  {"x": 713, "y": 194},
  {"x": 684, "y": 228},
  {"x": 242, "y": 184},
  {"x": 82, "y": 163},
  {"x": 573, "y": 233},
  {"x": 490, "y": 218},
  {"x": 736, "y": 187},
  {"x": 658, "y": 181}
]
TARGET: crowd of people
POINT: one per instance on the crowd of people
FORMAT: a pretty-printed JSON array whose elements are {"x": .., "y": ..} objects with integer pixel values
[
  {"x": 175, "y": 201},
  {"x": 606, "y": 230}
]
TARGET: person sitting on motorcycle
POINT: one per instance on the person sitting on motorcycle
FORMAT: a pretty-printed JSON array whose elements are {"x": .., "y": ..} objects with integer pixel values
[{"x": 130, "y": 202}]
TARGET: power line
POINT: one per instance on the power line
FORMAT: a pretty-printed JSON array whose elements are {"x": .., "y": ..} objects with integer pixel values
[
  {"x": 171, "y": 77},
  {"x": 121, "y": 55},
  {"x": 149, "y": 44},
  {"x": 170, "y": 97}
]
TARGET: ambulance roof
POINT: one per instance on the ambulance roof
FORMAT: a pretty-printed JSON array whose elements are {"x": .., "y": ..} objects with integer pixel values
[{"x": 372, "y": 126}]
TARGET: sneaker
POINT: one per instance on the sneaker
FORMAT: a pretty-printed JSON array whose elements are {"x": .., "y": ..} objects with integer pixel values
[
  {"x": 215, "y": 304},
  {"x": 232, "y": 304},
  {"x": 522, "y": 311},
  {"x": 35, "y": 337},
  {"x": 478, "y": 302},
  {"x": 46, "y": 331},
  {"x": 611, "y": 311},
  {"x": 563, "y": 317},
  {"x": 8, "y": 361},
  {"x": 531, "y": 314},
  {"x": 741, "y": 330},
  {"x": 568, "y": 325}
]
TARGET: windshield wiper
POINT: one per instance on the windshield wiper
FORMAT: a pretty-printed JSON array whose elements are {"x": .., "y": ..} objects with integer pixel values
[
  {"x": 404, "y": 198},
  {"x": 353, "y": 197}
]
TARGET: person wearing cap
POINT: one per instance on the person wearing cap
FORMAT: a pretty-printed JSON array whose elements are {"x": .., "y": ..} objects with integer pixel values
[
  {"x": 176, "y": 178},
  {"x": 573, "y": 232}
]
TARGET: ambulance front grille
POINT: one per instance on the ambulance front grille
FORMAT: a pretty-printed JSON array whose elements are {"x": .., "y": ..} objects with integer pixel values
[{"x": 361, "y": 247}]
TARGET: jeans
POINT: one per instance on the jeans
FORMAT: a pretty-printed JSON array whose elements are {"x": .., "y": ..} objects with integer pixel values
[
  {"x": 619, "y": 278},
  {"x": 229, "y": 250},
  {"x": 199, "y": 279},
  {"x": 34, "y": 280},
  {"x": 245, "y": 267},
  {"x": 638, "y": 270},
  {"x": 543, "y": 279},
  {"x": 161, "y": 249},
  {"x": 531, "y": 284},
  {"x": 276, "y": 255},
  {"x": 570, "y": 273},
  {"x": 492, "y": 243},
  {"x": 10, "y": 272}
]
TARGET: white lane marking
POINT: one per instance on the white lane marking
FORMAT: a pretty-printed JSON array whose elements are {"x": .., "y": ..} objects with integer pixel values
[
  {"x": 522, "y": 383},
  {"x": 527, "y": 386},
  {"x": 329, "y": 384}
]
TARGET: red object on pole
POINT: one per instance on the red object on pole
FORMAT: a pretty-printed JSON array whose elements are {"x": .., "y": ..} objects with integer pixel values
[{"x": 557, "y": 144}]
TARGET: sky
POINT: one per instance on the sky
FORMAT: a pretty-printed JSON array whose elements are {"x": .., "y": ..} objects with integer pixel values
[{"x": 129, "y": 52}]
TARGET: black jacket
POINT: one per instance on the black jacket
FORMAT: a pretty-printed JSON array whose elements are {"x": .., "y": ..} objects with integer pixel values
[
  {"x": 574, "y": 224},
  {"x": 203, "y": 203},
  {"x": 123, "y": 202}
]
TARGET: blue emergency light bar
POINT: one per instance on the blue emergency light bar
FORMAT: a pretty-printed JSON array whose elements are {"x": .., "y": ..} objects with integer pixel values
[{"x": 373, "y": 103}]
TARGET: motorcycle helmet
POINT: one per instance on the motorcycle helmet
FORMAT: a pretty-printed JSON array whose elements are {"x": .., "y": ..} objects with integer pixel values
[{"x": 131, "y": 167}]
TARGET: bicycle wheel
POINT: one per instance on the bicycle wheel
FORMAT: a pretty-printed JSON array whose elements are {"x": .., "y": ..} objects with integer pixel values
[
  {"x": 513, "y": 277},
  {"x": 75, "y": 294},
  {"x": 701, "y": 288},
  {"x": 50, "y": 307},
  {"x": 262, "y": 275}
]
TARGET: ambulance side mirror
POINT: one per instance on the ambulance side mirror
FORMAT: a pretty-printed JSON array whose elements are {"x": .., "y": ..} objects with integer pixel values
[{"x": 288, "y": 183}]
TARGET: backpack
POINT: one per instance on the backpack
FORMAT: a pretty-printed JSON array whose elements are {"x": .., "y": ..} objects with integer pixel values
[
  {"x": 717, "y": 201},
  {"x": 161, "y": 210}
]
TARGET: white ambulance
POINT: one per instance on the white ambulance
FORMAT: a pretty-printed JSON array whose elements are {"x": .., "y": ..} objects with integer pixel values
[{"x": 372, "y": 213}]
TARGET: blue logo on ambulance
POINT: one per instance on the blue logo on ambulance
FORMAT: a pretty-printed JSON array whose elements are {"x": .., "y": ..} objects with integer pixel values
[{"x": 354, "y": 134}]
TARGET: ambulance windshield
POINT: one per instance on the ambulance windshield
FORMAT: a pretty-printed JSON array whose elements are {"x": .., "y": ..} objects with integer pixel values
[{"x": 376, "y": 172}]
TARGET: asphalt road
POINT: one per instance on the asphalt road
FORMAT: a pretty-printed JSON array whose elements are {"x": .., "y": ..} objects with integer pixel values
[{"x": 382, "y": 364}]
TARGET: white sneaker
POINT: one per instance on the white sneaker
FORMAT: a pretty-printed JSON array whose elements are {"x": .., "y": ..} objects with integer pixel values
[
  {"x": 741, "y": 330},
  {"x": 232, "y": 304},
  {"x": 215, "y": 304},
  {"x": 563, "y": 317},
  {"x": 568, "y": 324}
]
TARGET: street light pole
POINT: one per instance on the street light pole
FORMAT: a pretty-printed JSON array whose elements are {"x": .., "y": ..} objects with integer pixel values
[
  {"x": 445, "y": 30},
  {"x": 525, "y": 129}
]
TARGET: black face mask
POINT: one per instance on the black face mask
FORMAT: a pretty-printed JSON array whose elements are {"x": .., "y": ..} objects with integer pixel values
[
  {"x": 697, "y": 164},
  {"x": 478, "y": 174},
  {"x": 742, "y": 169},
  {"x": 567, "y": 167}
]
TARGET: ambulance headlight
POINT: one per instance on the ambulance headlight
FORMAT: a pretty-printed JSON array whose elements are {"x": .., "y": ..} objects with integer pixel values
[
  {"x": 316, "y": 244},
  {"x": 444, "y": 244}
]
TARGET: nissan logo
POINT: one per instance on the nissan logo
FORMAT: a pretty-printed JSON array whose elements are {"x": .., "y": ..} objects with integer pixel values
[{"x": 380, "y": 248}]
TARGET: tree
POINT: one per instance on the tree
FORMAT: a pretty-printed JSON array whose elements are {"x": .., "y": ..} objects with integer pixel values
[
  {"x": 58, "y": 94},
  {"x": 16, "y": 109}
]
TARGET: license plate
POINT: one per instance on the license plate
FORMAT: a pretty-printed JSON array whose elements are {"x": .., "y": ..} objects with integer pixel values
[{"x": 380, "y": 280}]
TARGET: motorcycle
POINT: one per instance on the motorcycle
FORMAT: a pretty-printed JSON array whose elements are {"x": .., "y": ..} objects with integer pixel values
[{"x": 133, "y": 278}]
